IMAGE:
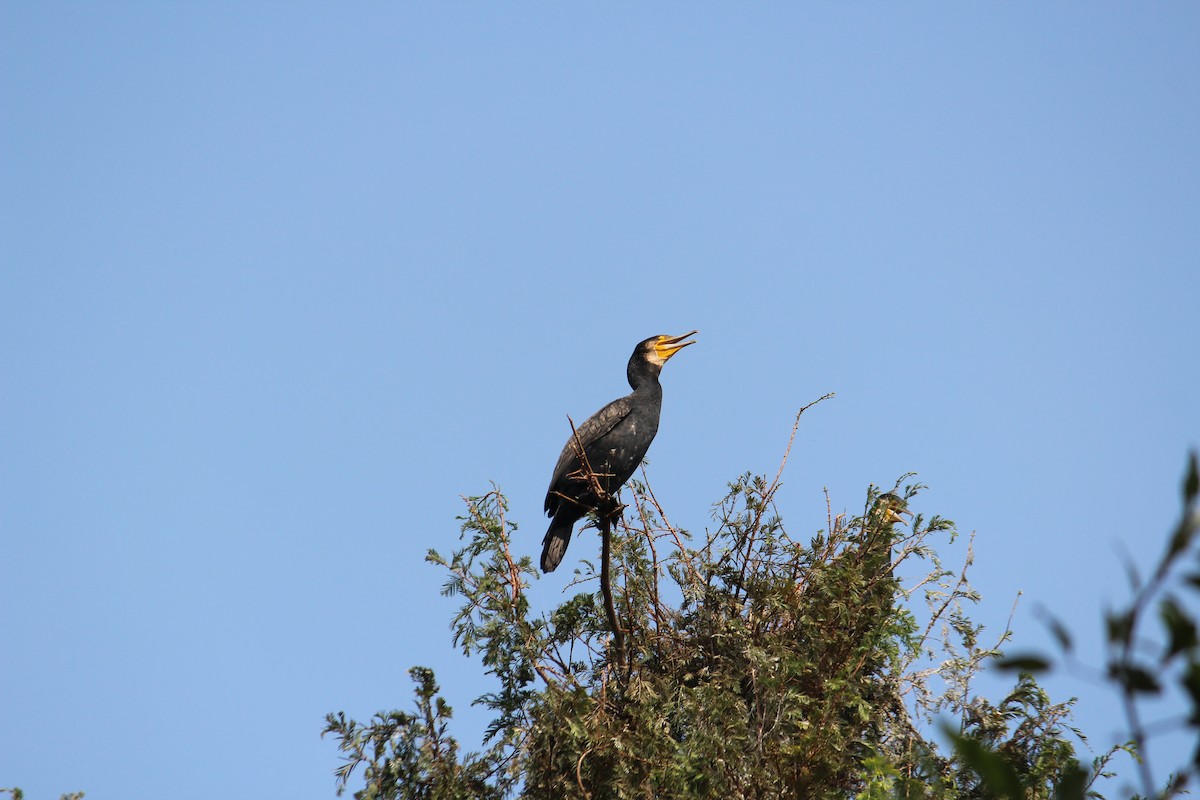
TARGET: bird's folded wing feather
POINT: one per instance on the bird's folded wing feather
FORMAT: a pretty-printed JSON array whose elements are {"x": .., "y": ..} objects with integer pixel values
[{"x": 594, "y": 428}]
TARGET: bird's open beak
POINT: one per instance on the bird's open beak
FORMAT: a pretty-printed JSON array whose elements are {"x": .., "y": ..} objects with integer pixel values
[
  {"x": 898, "y": 517},
  {"x": 670, "y": 345}
]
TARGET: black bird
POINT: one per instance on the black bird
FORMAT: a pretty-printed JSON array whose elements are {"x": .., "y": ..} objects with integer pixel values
[
  {"x": 889, "y": 510},
  {"x": 614, "y": 439}
]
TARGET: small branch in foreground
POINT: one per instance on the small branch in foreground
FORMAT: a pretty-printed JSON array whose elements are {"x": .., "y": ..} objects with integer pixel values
[
  {"x": 606, "y": 588},
  {"x": 607, "y": 508}
]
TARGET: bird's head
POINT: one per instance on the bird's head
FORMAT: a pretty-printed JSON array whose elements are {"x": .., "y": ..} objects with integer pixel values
[
  {"x": 657, "y": 349},
  {"x": 650, "y": 355},
  {"x": 890, "y": 509}
]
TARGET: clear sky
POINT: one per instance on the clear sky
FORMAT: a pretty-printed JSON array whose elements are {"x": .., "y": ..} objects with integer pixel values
[{"x": 280, "y": 282}]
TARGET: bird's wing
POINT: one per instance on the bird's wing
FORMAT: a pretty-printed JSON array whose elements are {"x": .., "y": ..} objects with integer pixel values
[{"x": 593, "y": 429}]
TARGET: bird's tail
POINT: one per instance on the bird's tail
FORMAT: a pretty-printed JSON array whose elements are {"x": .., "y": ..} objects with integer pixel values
[{"x": 554, "y": 546}]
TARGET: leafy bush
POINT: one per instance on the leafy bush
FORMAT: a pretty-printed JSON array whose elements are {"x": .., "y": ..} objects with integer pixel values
[{"x": 741, "y": 663}]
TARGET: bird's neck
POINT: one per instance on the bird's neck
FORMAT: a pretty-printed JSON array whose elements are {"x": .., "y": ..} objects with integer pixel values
[
  {"x": 650, "y": 389},
  {"x": 643, "y": 378},
  {"x": 645, "y": 385}
]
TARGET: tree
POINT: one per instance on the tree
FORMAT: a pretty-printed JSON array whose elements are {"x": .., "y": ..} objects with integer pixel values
[
  {"x": 1142, "y": 664},
  {"x": 742, "y": 663}
]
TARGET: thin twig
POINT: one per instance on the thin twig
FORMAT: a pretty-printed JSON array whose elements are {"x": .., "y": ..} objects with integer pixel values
[
  {"x": 579, "y": 773},
  {"x": 768, "y": 496},
  {"x": 607, "y": 508},
  {"x": 655, "y": 602},
  {"x": 662, "y": 515},
  {"x": 792, "y": 438},
  {"x": 513, "y": 572},
  {"x": 606, "y": 589}
]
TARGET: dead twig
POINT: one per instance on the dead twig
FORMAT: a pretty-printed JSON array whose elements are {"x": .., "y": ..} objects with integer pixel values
[
  {"x": 579, "y": 774},
  {"x": 607, "y": 508}
]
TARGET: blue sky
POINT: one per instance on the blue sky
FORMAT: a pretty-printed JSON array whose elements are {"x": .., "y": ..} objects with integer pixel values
[{"x": 281, "y": 282}]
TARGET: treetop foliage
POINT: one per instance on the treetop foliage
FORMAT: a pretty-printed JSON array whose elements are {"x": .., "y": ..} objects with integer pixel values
[{"x": 754, "y": 663}]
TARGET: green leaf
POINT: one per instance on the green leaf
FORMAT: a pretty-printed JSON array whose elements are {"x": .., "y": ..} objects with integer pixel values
[
  {"x": 1119, "y": 627},
  {"x": 1187, "y": 525},
  {"x": 1180, "y": 628},
  {"x": 1191, "y": 684},
  {"x": 1073, "y": 785},
  {"x": 1025, "y": 662},
  {"x": 1181, "y": 538},
  {"x": 1059, "y": 632},
  {"x": 997, "y": 775},
  {"x": 1135, "y": 679},
  {"x": 1135, "y": 579},
  {"x": 1191, "y": 484}
]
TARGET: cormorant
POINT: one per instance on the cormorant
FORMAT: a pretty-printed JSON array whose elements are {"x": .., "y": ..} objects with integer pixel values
[
  {"x": 889, "y": 510},
  {"x": 614, "y": 439}
]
